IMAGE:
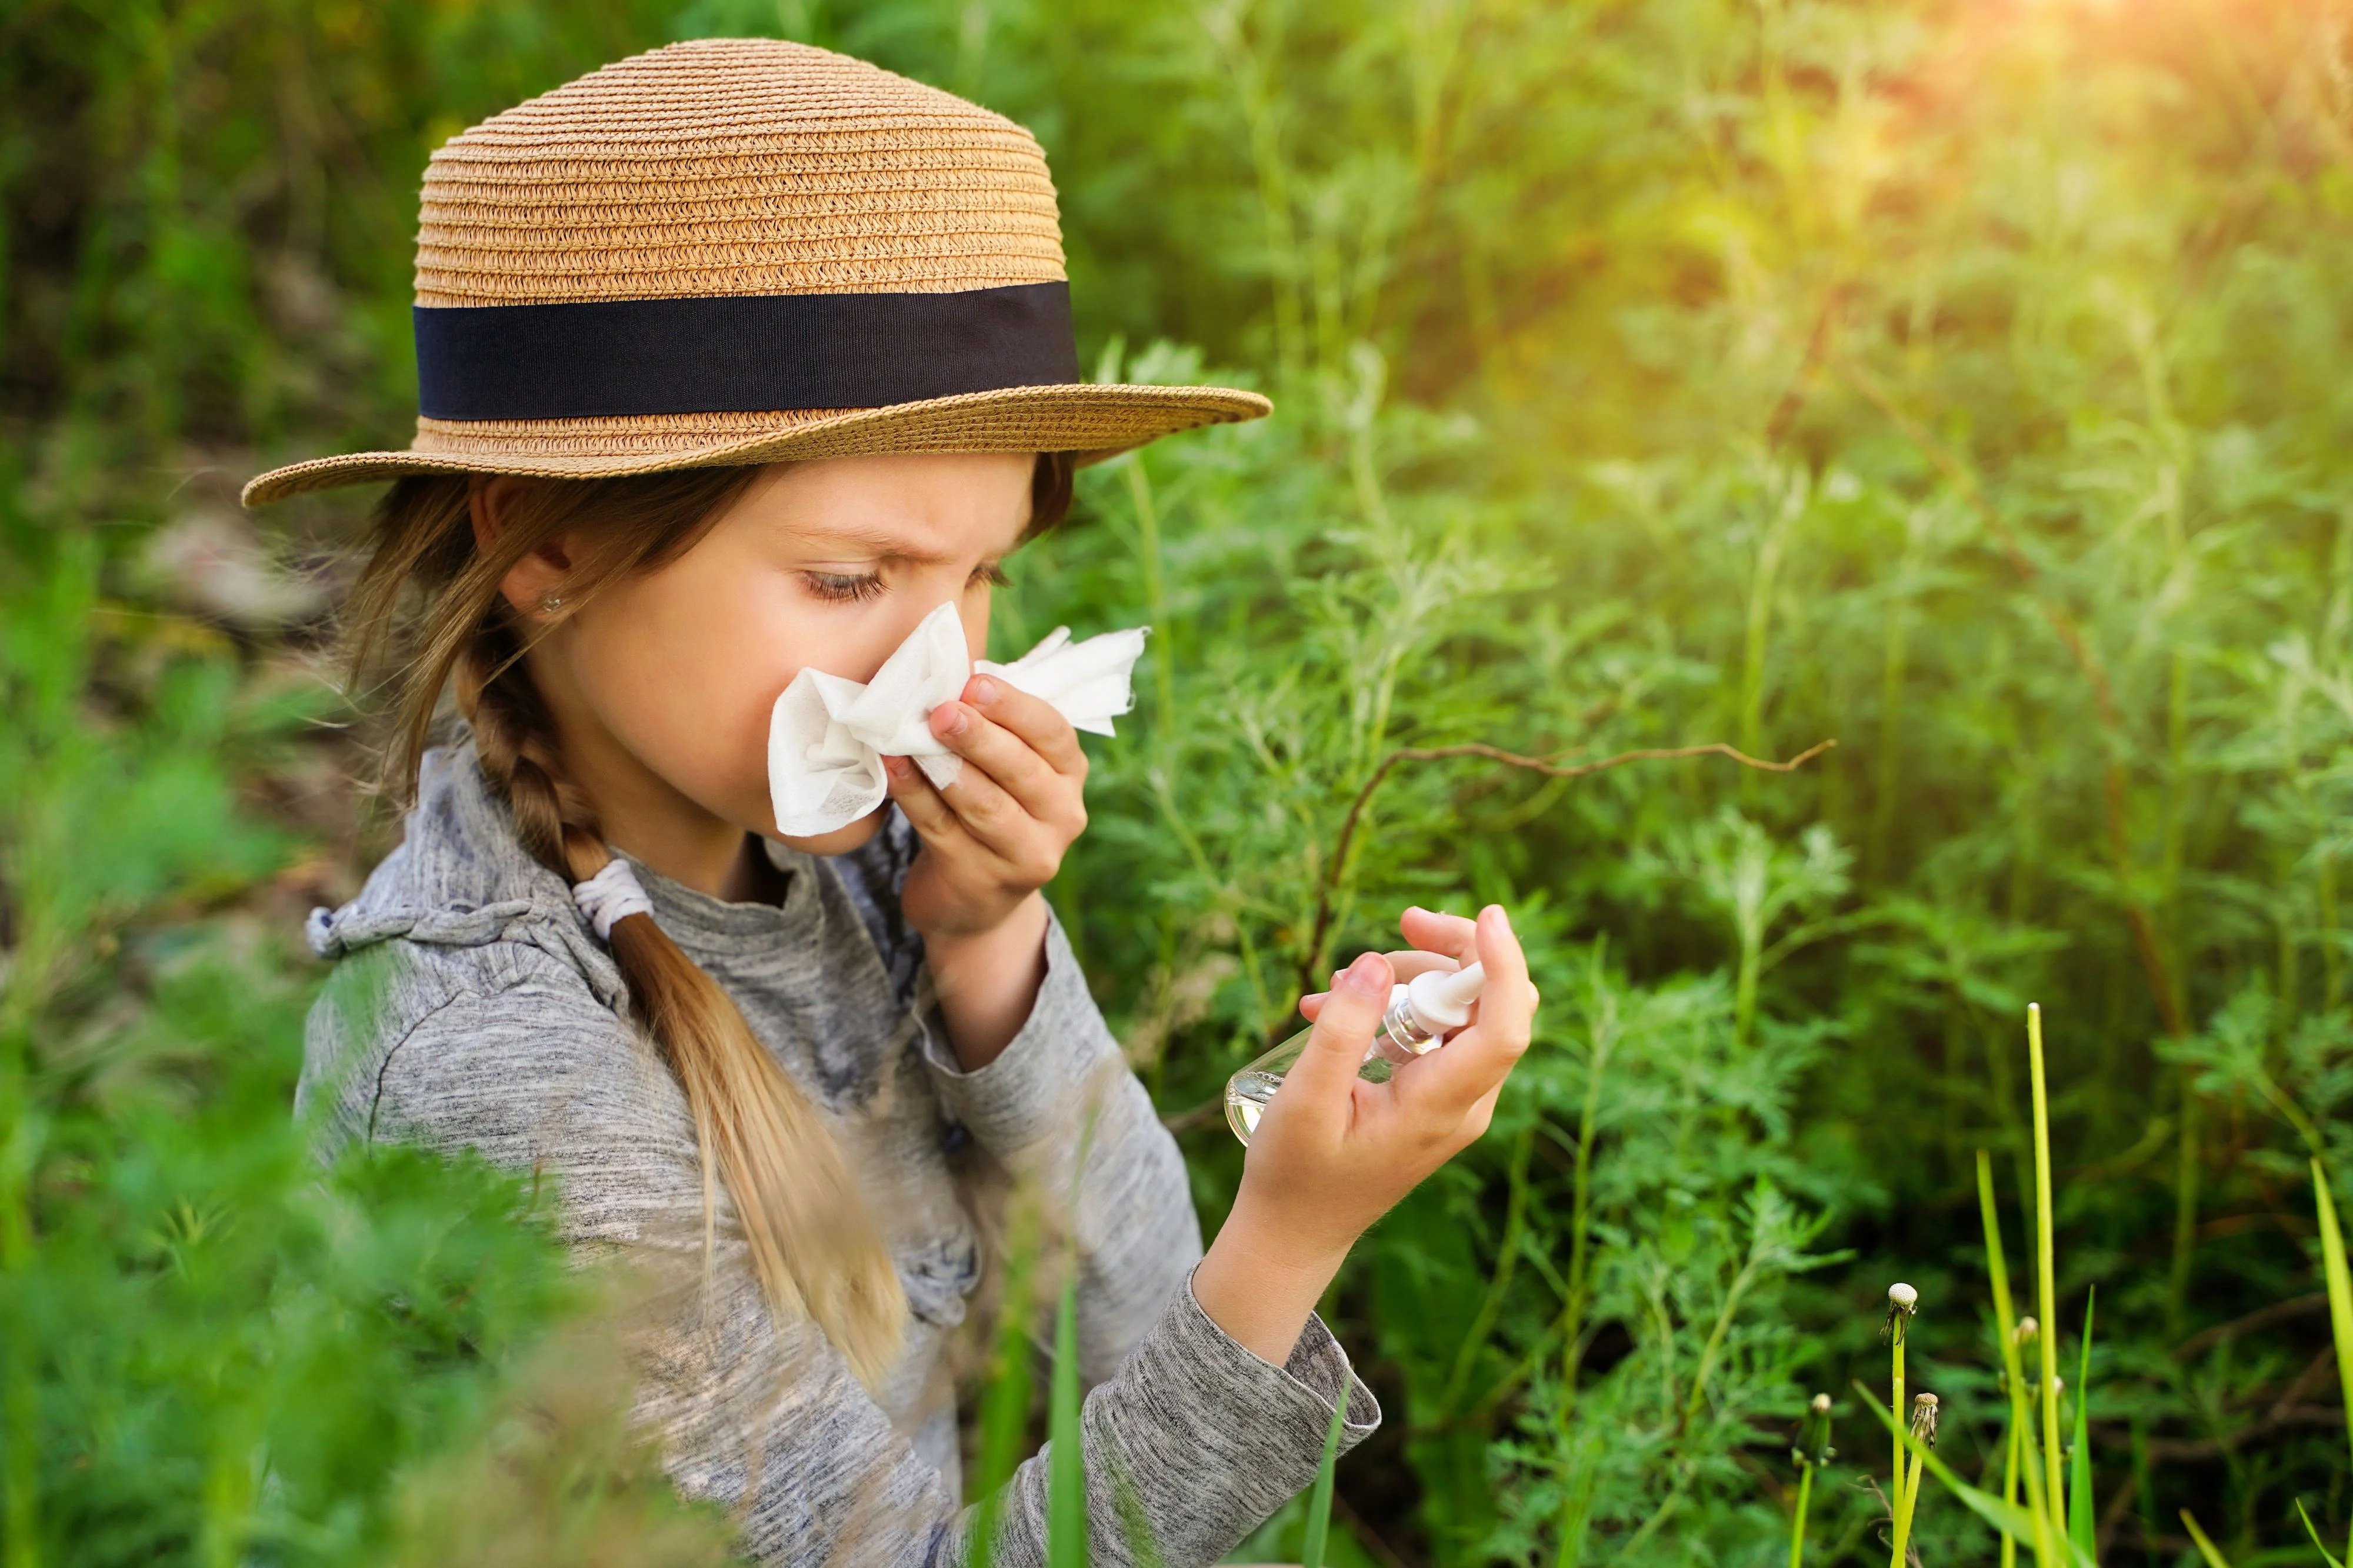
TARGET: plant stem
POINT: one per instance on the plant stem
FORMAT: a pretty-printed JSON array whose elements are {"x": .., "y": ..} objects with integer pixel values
[
  {"x": 2046, "y": 1281},
  {"x": 1797, "y": 1524},
  {"x": 2009, "y": 1485},
  {"x": 1903, "y": 1524},
  {"x": 1895, "y": 1481},
  {"x": 2188, "y": 1168}
]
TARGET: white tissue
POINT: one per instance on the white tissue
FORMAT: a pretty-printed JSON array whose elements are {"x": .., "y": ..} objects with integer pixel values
[{"x": 828, "y": 735}]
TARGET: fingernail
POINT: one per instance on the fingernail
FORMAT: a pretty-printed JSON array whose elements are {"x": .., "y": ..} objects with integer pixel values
[
  {"x": 983, "y": 692},
  {"x": 1364, "y": 977},
  {"x": 955, "y": 722},
  {"x": 1313, "y": 996},
  {"x": 1502, "y": 916}
]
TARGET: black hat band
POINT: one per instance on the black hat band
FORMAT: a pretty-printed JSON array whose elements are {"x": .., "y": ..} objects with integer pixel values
[{"x": 739, "y": 353}]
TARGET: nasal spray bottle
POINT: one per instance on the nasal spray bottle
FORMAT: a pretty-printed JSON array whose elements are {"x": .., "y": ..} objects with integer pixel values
[{"x": 1421, "y": 1014}]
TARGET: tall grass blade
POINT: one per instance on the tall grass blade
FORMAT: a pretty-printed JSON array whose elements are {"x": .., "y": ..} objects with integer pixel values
[
  {"x": 2340, "y": 1295},
  {"x": 2005, "y": 1322},
  {"x": 1066, "y": 1473},
  {"x": 2208, "y": 1553},
  {"x": 2314, "y": 1531},
  {"x": 1319, "y": 1499},
  {"x": 2083, "y": 1527}
]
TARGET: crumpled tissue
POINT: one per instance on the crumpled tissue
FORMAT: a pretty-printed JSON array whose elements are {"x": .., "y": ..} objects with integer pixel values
[{"x": 828, "y": 735}]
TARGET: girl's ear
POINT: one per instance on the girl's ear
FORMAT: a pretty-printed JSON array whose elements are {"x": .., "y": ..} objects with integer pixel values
[{"x": 531, "y": 581}]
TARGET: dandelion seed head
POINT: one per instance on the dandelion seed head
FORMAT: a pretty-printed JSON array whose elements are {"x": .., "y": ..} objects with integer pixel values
[
  {"x": 1903, "y": 1298},
  {"x": 1821, "y": 1403}
]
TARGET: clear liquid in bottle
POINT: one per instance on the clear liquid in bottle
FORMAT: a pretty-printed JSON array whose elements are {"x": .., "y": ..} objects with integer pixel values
[{"x": 1413, "y": 1026}]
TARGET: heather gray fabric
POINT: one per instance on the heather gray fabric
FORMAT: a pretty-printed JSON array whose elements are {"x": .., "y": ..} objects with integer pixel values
[{"x": 472, "y": 1007}]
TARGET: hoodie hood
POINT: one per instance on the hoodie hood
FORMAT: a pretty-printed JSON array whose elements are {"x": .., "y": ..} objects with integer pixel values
[{"x": 462, "y": 878}]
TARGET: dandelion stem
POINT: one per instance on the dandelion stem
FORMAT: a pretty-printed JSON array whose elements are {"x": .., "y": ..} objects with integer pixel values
[
  {"x": 1797, "y": 1525},
  {"x": 1895, "y": 1483}
]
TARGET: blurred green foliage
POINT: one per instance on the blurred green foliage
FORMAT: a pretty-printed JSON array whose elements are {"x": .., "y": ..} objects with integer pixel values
[{"x": 1958, "y": 379}]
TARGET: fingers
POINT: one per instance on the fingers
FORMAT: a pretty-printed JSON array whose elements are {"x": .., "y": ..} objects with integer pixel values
[
  {"x": 1451, "y": 1081},
  {"x": 1036, "y": 721},
  {"x": 926, "y": 812},
  {"x": 1013, "y": 797},
  {"x": 1404, "y": 964},
  {"x": 1010, "y": 761},
  {"x": 1435, "y": 932},
  {"x": 1344, "y": 1029}
]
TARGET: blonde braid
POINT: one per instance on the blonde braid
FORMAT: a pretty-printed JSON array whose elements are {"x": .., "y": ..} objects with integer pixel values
[{"x": 812, "y": 1243}]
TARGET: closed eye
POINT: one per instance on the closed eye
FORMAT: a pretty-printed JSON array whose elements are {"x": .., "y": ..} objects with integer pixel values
[
  {"x": 992, "y": 573},
  {"x": 844, "y": 588}
]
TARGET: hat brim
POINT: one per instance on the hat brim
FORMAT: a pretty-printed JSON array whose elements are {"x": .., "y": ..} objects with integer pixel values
[{"x": 1094, "y": 421}]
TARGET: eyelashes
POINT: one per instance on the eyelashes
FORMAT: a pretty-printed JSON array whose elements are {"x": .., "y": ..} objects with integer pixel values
[
  {"x": 840, "y": 588},
  {"x": 856, "y": 588}
]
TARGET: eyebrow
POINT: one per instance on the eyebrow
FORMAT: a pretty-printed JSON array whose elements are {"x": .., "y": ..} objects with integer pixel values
[{"x": 884, "y": 546}]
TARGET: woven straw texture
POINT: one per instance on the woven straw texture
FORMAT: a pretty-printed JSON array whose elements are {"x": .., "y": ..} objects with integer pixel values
[{"x": 735, "y": 166}]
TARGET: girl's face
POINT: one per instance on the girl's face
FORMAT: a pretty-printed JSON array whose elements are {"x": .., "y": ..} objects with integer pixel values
[{"x": 662, "y": 684}]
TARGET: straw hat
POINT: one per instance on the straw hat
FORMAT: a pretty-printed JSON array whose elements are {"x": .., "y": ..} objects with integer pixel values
[{"x": 743, "y": 250}]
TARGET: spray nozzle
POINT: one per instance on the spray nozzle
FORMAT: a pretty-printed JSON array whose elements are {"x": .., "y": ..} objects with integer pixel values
[{"x": 1441, "y": 1000}]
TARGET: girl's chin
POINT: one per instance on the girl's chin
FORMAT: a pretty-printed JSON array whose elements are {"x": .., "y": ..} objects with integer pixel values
[{"x": 841, "y": 840}]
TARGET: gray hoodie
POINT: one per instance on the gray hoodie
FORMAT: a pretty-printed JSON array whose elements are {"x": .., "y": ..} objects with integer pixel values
[{"x": 472, "y": 1007}]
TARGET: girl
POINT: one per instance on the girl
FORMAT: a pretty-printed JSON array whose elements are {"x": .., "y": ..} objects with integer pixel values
[{"x": 735, "y": 359}]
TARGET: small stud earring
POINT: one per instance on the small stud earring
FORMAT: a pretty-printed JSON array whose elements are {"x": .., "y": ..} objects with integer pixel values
[{"x": 552, "y": 604}]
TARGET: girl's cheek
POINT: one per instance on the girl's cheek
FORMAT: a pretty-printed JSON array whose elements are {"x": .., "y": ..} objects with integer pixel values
[{"x": 686, "y": 685}]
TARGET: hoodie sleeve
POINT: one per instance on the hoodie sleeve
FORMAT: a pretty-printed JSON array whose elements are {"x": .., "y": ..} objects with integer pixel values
[
  {"x": 1059, "y": 1106},
  {"x": 1190, "y": 1442}
]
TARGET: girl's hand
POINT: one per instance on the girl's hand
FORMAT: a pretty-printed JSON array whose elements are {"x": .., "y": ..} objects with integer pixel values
[
  {"x": 995, "y": 835},
  {"x": 1333, "y": 1152}
]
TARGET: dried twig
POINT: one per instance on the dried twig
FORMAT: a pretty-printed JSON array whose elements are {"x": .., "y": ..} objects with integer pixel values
[{"x": 1552, "y": 766}]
